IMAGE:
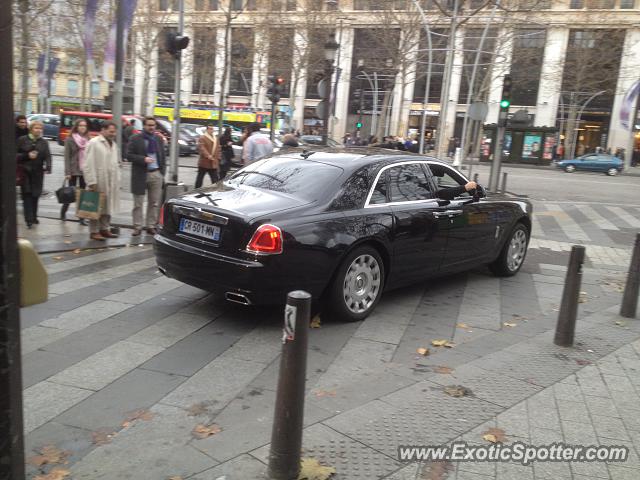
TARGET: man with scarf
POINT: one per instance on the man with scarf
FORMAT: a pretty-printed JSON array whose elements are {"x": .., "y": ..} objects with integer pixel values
[
  {"x": 146, "y": 154},
  {"x": 209, "y": 160}
]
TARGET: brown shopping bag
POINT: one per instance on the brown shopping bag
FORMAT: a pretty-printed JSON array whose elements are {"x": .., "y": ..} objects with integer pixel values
[{"x": 89, "y": 204}]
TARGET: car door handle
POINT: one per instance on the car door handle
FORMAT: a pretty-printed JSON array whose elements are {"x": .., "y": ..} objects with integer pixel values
[{"x": 447, "y": 213}]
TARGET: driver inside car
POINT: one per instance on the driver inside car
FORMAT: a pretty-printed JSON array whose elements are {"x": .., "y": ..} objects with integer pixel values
[{"x": 450, "y": 193}]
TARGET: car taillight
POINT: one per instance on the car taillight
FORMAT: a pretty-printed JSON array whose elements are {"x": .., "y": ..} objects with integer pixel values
[{"x": 266, "y": 241}]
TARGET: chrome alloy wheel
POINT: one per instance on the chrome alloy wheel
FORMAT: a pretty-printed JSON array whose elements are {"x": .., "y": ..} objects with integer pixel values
[
  {"x": 612, "y": 172},
  {"x": 361, "y": 284},
  {"x": 517, "y": 250}
]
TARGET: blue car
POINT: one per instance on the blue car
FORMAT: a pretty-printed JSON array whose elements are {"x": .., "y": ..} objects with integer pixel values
[
  {"x": 51, "y": 124},
  {"x": 593, "y": 162}
]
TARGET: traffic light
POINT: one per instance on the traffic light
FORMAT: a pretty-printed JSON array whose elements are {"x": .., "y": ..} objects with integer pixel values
[
  {"x": 275, "y": 88},
  {"x": 176, "y": 43},
  {"x": 359, "y": 125},
  {"x": 505, "y": 99}
]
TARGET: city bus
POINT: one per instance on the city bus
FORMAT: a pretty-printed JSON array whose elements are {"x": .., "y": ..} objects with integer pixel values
[{"x": 94, "y": 120}]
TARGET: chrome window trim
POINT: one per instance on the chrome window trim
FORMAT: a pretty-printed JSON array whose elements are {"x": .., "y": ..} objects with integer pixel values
[
  {"x": 444, "y": 165},
  {"x": 367, "y": 203}
]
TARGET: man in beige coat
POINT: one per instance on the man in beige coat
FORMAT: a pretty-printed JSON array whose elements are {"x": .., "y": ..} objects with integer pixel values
[{"x": 102, "y": 174}]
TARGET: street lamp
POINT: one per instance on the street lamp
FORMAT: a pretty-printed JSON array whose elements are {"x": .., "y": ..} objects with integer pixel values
[{"x": 330, "y": 50}]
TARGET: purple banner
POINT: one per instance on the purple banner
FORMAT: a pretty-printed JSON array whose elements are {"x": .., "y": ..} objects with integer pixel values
[
  {"x": 42, "y": 78},
  {"x": 110, "y": 52},
  {"x": 89, "y": 27},
  {"x": 628, "y": 103}
]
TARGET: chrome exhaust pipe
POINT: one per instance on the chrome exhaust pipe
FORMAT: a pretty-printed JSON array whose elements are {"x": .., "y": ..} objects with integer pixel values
[{"x": 237, "y": 298}]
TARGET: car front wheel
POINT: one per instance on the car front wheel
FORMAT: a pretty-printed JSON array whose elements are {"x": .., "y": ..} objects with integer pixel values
[
  {"x": 612, "y": 172},
  {"x": 357, "y": 286},
  {"x": 513, "y": 253},
  {"x": 570, "y": 169}
]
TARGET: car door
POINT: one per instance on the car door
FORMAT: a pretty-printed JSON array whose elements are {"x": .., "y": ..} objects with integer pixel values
[
  {"x": 473, "y": 232},
  {"x": 588, "y": 162},
  {"x": 419, "y": 241}
]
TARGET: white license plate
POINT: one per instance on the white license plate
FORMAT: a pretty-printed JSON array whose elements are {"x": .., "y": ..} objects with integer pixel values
[{"x": 200, "y": 229}]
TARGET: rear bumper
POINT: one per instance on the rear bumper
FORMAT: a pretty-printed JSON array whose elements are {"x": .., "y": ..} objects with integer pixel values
[{"x": 263, "y": 281}]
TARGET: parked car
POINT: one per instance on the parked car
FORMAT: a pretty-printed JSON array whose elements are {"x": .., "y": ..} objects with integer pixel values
[
  {"x": 317, "y": 140},
  {"x": 343, "y": 225},
  {"x": 51, "y": 124},
  {"x": 188, "y": 143},
  {"x": 593, "y": 162}
]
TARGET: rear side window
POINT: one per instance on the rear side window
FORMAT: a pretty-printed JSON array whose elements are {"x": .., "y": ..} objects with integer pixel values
[
  {"x": 408, "y": 183},
  {"x": 299, "y": 178}
]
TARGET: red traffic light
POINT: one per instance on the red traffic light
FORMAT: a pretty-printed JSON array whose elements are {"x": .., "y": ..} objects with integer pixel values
[{"x": 279, "y": 80}]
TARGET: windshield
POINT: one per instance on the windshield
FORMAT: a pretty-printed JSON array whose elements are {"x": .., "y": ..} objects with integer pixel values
[{"x": 299, "y": 178}]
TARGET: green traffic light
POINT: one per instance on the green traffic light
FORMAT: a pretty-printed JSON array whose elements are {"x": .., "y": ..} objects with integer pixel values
[
  {"x": 505, "y": 104},
  {"x": 359, "y": 125}
]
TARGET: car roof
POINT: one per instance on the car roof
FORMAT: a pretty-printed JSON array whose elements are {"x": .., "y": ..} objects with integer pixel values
[{"x": 353, "y": 158}]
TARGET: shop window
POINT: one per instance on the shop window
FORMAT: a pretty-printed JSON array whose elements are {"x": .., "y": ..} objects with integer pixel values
[
  {"x": 72, "y": 88},
  {"x": 627, "y": 3},
  {"x": 95, "y": 89}
]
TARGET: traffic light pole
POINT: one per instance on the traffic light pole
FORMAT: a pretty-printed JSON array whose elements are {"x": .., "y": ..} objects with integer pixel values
[
  {"x": 174, "y": 154},
  {"x": 11, "y": 424},
  {"x": 273, "y": 121},
  {"x": 119, "y": 73},
  {"x": 494, "y": 176}
]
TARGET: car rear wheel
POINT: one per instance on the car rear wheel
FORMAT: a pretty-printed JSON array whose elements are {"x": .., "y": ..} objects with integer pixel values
[
  {"x": 612, "y": 172},
  {"x": 570, "y": 169},
  {"x": 513, "y": 253},
  {"x": 357, "y": 286}
]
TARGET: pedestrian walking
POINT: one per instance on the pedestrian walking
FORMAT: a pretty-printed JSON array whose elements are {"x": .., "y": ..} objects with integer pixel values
[
  {"x": 74, "y": 159},
  {"x": 256, "y": 146},
  {"x": 102, "y": 174},
  {"x": 146, "y": 154},
  {"x": 34, "y": 158},
  {"x": 209, "y": 159},
  {"x": 22, "y": 126},
  {"x": 227, "y": 153},
  {"x": 128, "y": 130}
]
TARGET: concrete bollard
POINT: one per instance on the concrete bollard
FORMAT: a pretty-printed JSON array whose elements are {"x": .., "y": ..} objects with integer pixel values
[
  {"x": 630, "y": 297},
  {"x": 504, "y": 183},
  {"x": 566, "y": 327},
  {"x": 286, "y": 436}
]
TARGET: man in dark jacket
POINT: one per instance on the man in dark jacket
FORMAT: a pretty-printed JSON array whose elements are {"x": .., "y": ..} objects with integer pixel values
[
  {"x": 22, "y": 127},
  {"x": 146, "y": 154}
]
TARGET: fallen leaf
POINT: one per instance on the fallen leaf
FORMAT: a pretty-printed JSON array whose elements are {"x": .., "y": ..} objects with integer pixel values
[
  {"x": 77, "y": 251},
  {"x": 67, "y": 242},
  {"x": 423, "y": 351},
  {"x": 315, "y": 322},
  {"x": 102, "y": 438},
  {"x": 494, "y": 435},
  {"x": 140, "y": 414},
  {"x": 463, "y": 325},
  {"x": 175, "y": 477},
  {"x": 197, "y": 409},
  {"x": 436, "y": 470},
  {"x": 49, "y": 454},
  {"x": 202, "y": 431},
  {"x": 67, "y": 235},
  {"x": 55, "y": 474},
  {"x": 449, "y": 345},
  {"x": 324, "y": 393},
  {"x": 509, "y": 324},
  {"x": 442, "y": 369},
  {"x": 58, "y": 258},
  {"x": 621, "y": 323},
  {"x": 310, "y": 469},
  {"x": 583, "y": 362},
  {"x": 457, "y": 391},
  {"x": 438, "y": 343}
]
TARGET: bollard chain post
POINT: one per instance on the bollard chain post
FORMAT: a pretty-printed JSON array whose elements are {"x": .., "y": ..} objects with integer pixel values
[
  {"x": 630, "y": 297},
  {"x": 286, "y": 436},
  {"x": 566, "y": 326}
]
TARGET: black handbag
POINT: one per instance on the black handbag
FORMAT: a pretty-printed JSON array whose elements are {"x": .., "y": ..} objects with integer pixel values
[{"x": 66, "y": 193}]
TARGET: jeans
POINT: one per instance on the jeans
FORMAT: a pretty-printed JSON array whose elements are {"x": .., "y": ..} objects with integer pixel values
[
  {"x": 30, "y": 207},
  {"x": 213, "y": 174}
]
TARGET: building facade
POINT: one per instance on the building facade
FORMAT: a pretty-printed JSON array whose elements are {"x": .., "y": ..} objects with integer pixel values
[{"x": 572, "y": 63}]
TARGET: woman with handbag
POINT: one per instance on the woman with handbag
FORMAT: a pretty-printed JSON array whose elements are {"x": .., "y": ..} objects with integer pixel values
[
  {"x": 226, "y": 144},
  {"x": 34, "y": 159},
  {"x": 74, "y": 158}
]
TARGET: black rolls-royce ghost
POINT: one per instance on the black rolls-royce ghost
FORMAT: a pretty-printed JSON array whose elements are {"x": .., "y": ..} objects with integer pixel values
[{"x": 344, "y": 225}]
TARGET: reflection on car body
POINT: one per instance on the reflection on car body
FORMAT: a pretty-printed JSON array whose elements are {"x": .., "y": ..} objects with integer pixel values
[{"x": 341, "y": 224}]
